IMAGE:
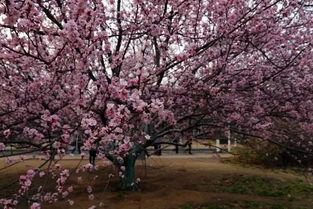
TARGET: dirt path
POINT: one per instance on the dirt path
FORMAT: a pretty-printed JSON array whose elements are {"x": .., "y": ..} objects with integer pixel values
[{"x": 214, "y": 167}]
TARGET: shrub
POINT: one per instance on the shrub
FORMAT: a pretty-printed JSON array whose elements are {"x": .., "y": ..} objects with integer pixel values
[{"x": 264, "y": 153}]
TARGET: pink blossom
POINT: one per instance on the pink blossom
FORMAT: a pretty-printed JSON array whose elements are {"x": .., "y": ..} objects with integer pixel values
[
  {"x": 41, "y": 173},
  {"x": 2, "y": 147},
  {"x": 86, "y": 122},
  {"x": 66, "y": 138},
  {"x": 35, "y": 205},
  {"x": 57, "y": 166},
  {"x": 91, "y": 197},
  {"x": 234, "y": 117},
  {"x": 23, "y": 177},
  {"x": 89, "y": 189},
  {"x": 71, "y": 202},
  {"x": 47, "y": 197},
  {"x": 28, "y": 182},
  {"x": 65, "y": 194},
  {"x": 7, "y": 133},
  {"x": 57, "y": 144}
]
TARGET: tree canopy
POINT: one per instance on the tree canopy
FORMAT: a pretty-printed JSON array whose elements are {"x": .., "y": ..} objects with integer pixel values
[{"x": 124, "y": 74}]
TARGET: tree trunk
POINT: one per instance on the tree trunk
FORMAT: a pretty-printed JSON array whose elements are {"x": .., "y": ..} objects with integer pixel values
[{"x": 128, "y": 179}]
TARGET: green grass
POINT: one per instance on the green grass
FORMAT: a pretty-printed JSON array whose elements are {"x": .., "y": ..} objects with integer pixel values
[
  {"x": 273, "y": 189},
  {"x": 275, "y": 169},
  {"x": 265, "y": 187},
  {"x": 241, "y": 205},
  {"x": 259, "y": 186}
]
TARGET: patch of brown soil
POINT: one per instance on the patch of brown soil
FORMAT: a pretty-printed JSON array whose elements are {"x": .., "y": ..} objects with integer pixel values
[{"x": 167, "y": 183}]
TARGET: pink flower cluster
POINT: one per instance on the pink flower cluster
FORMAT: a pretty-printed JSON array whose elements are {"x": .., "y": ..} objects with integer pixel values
[
  {"x": 2, "y": 146},
  {"x": 26, "y": 181}
]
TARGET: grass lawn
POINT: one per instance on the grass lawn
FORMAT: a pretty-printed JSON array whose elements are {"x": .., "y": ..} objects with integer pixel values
[{"x": 178, "y": 182}]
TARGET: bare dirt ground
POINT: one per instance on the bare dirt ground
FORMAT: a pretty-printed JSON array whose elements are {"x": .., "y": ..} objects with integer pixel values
[{"x": 167, "y": 182}]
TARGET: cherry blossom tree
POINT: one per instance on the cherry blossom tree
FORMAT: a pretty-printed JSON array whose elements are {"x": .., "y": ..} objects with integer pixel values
[{"x": 124, "y": 74}]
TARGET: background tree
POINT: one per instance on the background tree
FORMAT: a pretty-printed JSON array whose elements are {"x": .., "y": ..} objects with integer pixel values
[{"x": 126, "y": 73}]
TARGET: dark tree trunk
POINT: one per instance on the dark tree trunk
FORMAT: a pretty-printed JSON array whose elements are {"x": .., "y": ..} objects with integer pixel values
[{"x": 128, "y": 180}]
